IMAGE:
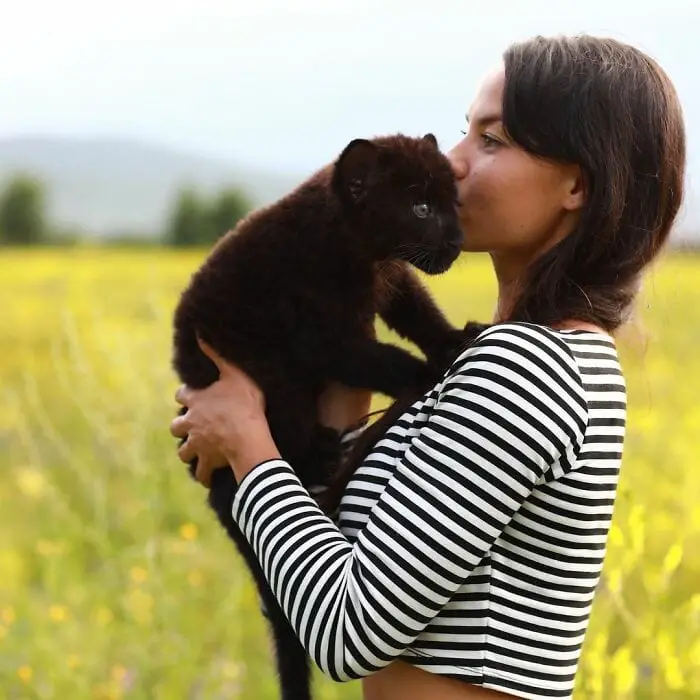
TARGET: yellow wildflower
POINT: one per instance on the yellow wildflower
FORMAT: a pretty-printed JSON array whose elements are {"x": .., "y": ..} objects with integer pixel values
[
  {"x": 624, "y": 671},
  {"x": 195, "y": 578},
  {"x": 189, "y": 532},
  {"x": 58, "y": 613},
  {"x": 47, "y": 548},
  {"x": 7, "y": 614},
  {"x": 104, "y": 615},
  {"x": 138, "y": 574},
  {"x": 30, "y": 482},
  {"x": 119, "y": 673}
]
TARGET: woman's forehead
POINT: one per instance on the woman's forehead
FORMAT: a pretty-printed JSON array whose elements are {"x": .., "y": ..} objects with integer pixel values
[{"x": 488, "y": 103}]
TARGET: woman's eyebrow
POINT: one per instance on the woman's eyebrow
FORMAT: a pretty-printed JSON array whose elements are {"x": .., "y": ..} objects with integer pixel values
[{"x": 487, "y": 119}]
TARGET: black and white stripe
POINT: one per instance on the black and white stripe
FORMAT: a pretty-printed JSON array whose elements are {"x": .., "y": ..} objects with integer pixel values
[{"x": 471, "y": 540}]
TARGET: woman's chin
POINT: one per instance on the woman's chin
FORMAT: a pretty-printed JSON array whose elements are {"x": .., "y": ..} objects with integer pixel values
[
  {"x": 470, "y": 245},
  {"x": 470, "y": 239}
]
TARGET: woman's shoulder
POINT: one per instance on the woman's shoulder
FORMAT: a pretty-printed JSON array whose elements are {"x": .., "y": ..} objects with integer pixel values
[
  {"x": 520, "y": 338},
  {"x": 523, "y": 380},
  {"x": 563, "y": 337},
  {"x": 518, "y": 357}
]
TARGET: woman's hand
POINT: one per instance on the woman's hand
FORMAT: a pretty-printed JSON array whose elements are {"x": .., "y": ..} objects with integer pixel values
[{"x": 227, "y": 419}]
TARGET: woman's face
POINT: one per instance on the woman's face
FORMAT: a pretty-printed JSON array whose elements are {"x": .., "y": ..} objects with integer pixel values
[{"x": 512, "y": 204}]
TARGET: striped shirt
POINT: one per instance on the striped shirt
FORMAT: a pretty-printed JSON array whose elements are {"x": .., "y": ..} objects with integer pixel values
[{"x": 471, "y": 540}]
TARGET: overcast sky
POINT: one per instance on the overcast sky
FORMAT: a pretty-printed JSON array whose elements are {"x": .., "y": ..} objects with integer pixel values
[{"x": 284, "y": 85}]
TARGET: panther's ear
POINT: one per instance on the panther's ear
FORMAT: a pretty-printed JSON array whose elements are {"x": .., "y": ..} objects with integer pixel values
[
  {"x": 354, "y": 170},
  {"x": 430, "y": 138}
]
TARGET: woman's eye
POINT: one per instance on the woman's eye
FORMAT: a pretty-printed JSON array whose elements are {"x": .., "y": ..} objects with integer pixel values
[
  {"x": 489, "y": 140},
  {"x": 421, "y": 210}
]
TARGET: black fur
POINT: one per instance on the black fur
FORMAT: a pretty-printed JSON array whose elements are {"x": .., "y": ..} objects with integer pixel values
[{"x": 291, "y": 296}]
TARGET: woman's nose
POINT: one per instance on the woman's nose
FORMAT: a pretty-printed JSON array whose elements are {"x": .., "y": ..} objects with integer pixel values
[{"x": 459, "y": 166}]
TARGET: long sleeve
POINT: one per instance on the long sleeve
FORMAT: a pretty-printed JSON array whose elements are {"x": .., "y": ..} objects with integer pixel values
[{"x": 510, "y": 409}]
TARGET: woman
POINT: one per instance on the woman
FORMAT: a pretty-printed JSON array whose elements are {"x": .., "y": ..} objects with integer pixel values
[{"x": 471, "y": 540}]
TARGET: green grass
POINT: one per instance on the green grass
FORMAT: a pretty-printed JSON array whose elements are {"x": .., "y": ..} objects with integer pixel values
[{"x": 115, "y": 580}]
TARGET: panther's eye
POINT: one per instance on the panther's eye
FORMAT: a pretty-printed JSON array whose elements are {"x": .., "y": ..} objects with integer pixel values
[{"x": 421, "y": 210}]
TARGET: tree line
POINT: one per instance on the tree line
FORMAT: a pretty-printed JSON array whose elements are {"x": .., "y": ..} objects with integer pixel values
[{"x": 193, "y": 219}]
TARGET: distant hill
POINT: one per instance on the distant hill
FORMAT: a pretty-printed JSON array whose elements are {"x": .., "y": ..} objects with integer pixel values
[{"x": 106, "y": 186}]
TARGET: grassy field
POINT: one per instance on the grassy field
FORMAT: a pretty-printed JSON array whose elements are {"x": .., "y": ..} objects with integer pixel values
[{"x": 115, "y": 581}]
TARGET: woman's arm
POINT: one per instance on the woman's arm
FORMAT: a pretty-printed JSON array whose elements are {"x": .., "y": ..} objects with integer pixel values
[{"x": 510, "y": 408}]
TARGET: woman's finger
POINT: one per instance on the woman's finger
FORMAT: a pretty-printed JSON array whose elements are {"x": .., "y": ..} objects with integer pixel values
[
  {"x": 203, "y": 472},
  {"x": 183, "y": 395},
  {"x": 214, "y": 356},
  {"x": 186, "y": 453},
  {"x": 180, "y": 426}
]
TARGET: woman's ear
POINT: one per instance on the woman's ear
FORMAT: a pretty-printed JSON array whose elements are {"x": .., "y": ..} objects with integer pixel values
[{"x": 576, "y": 188}]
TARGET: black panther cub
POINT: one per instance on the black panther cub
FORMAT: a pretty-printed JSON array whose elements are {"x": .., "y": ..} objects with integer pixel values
[{"x": 291, "y": 296}]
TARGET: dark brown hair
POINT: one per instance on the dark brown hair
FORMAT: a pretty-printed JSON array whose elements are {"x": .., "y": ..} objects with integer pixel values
[{"x": 612, "y": 110}]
